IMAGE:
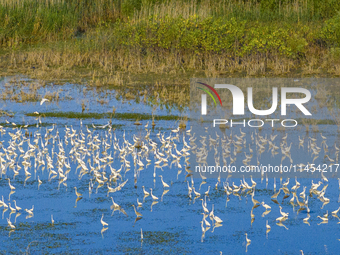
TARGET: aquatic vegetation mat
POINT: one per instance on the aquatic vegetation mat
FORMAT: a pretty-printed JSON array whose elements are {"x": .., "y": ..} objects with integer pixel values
[{"x": 79, "y": 115}]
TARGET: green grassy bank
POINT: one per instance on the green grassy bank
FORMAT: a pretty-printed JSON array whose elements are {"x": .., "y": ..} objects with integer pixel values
[{"x": 102, "y": 40}]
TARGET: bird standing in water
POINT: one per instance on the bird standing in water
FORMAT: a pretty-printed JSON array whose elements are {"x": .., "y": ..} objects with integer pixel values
[{"x": 103, "y": 222}]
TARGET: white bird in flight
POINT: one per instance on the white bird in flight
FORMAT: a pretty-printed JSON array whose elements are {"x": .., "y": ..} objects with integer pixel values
[{"x": 44, "y": 100}]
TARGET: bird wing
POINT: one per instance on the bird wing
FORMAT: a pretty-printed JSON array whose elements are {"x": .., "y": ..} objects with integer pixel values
[{"x": 123, "y": 211}]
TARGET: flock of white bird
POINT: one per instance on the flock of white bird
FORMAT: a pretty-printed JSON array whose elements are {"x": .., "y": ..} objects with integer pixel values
[
  {"x": 230, "y": 148},
  {"x": 93, "y": 152}
]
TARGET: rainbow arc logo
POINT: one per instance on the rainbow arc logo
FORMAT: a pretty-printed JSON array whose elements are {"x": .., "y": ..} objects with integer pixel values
[
  {"x": 204, "y": 97},
  {"x": 213, "y": 90}
]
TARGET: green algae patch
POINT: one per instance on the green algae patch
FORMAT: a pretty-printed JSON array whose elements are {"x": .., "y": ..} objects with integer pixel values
[{"x": 79, "y": 115}]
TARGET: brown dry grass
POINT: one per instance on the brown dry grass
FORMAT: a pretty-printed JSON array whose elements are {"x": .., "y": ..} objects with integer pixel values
[{"x": 113, "y": 67}]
